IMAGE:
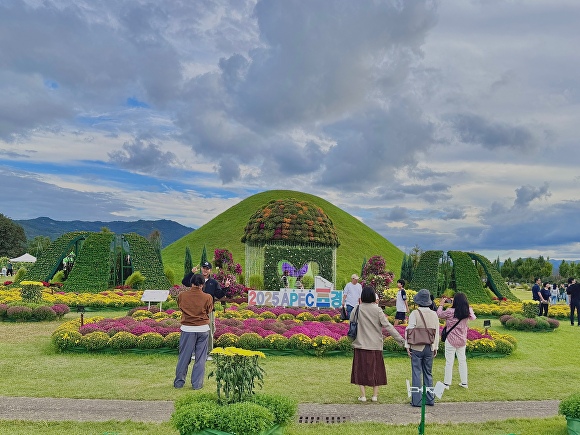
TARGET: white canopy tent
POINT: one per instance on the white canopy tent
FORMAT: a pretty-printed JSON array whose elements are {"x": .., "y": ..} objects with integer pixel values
[{"x": 26, "y": 258}]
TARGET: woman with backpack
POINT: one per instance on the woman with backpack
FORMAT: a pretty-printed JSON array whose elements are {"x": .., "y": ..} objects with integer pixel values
[{"x": 456, "y": 319}]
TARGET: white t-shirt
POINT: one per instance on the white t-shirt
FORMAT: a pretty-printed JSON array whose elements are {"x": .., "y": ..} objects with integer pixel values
[
  {"x": 352, "y": 292},
  {"x": 401, "y": 298}
]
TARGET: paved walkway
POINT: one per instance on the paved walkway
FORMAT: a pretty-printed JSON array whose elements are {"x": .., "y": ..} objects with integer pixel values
[{"x": 49, "y": 409}]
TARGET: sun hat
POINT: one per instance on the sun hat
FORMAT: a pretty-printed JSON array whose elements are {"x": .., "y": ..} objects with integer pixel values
[{"x": 423, "y": 298}]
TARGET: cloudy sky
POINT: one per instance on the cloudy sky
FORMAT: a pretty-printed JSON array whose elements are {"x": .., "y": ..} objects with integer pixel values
[{"x": 450, "y": 125}]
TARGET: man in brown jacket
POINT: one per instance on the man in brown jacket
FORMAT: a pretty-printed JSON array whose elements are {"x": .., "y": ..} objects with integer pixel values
[{"x": 195, "y": 306}]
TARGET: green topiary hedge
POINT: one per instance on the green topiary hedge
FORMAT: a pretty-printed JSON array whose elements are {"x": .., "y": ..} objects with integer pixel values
[
  {"x": 145, "y": 259},
  {"x": 494, "y": 278},
  {"x": 467, "y": 279},
  {"x": 426, "y": 273}
]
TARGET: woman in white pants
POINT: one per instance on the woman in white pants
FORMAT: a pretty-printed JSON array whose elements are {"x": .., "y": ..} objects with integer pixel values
[{"x": 459, "y": 314}]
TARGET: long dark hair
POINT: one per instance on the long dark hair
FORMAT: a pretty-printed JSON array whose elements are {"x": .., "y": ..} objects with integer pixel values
[{"x": 461, "y": 306}]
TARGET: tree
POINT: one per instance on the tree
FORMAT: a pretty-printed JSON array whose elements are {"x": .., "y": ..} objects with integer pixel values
[
  {"x": 188, "y": 262},
  {"x": 203, "y": 256},
  {"x": 38, "y": 245},
  {"x": 507, "y": 270},
  {"x": 564, "y": 269},
  {"x": 12, "y": 238},
  {"x": 407, "y": 268},
  {"x": 497, "y": 264},
  {"x": 155, "y": 239},
  {"x": 416, "y": 255}
]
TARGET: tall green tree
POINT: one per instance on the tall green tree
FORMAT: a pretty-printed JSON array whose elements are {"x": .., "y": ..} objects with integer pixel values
[
  {"x": 38, "y": 245},
  {"x": 564, "y": 269},
  {"x": 12, "y": 238},
  {"x": 203, "y": 256},
  {"x": 188, "y": 262}
]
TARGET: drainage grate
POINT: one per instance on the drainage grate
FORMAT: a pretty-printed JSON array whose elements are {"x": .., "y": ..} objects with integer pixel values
[{"x": 322, "y": 419}]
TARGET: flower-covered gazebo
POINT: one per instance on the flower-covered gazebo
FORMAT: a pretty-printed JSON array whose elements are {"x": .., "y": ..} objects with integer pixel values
[{"x": 286, "y": 235}]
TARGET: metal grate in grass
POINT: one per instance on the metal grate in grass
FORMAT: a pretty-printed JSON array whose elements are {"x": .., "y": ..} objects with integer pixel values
[{"x": 322, "y": 419}]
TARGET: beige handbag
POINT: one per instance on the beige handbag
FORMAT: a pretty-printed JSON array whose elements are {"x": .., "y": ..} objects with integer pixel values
[{"x": 419, "y": 336}]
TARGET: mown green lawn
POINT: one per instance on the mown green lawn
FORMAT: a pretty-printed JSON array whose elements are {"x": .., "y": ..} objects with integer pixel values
[{"x": 542, "y": 367}]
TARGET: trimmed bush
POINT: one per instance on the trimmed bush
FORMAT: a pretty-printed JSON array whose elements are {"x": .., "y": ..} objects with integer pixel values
[
  {"x": 245, "y": 418},
  {"x": 66, "y": 339},
  {"x": 95, "y": 340},
  {"x": 150, "y": 340},
  {"x": 31, "y": 293},
  {"x": 196, "y": 416},
  {"x": 250, "y": 340},
  {"x": 44, "y": 312},
  {"x": 19, "y": 313},
  {"x": 570, "y": 406},
  {"x": 171, "y": 340},
  {"x": 123, "y": 340},
  {"x": 226, "y": 340},
  {"x": 282, "y": 407}
]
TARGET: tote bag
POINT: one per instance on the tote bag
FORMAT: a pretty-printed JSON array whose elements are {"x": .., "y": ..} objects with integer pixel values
[
  {"x": 353, "y": 327},
  {"x": 419, "y": 336}
]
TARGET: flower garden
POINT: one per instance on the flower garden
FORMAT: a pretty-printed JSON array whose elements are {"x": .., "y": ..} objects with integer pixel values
[{"x": 273, "y": 331}]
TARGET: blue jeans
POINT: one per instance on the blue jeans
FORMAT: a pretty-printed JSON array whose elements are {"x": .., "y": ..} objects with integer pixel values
[
  {"x": 349, "y": 309},
  {"x": 421, "y": 370},
  {"x": 191, "y": 343}
]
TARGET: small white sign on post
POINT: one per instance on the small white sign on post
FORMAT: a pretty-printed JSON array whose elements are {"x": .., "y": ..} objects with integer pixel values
[{"x": 155, "y": 296}]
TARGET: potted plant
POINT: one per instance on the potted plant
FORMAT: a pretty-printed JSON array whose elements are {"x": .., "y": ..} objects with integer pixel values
[{"x": 570, "y": 407}]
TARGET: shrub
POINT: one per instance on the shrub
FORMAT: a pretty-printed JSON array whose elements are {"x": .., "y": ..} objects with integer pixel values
[
  {"x": 286, "y": 316},
  {"x": 20, "y": 274},
  {"x": 66, "y": 339},
  {"x": 323, "y": 344},
  {"x": 195, "y": 416},
  {"x": 250, "y": 340},
  {"x": 268, "y": 315},
  {"x": 503, "y": 346},
  {"x": 256, "y": 282},
  {"x": 300, "y": 342},
  {"x": 171, "y": 340},
  {"x": 226, "y": 340},
  {"x": 44, "y": 312},
  {"x": 58, "y": 277},
  {"x": 95, "y": 340},
  {"x": 282, "y": 407},
  {"x": 3, "y": 309},
  {"x": 276, "y": 341},
  {"x": 530, "y": 309},
  {"x": 323, "y": 318},
  {"x": 31, "y": 293},
  {"x": 19, "y": 313},
  {"x": 236, "y": 373},
  {"x": 245, "y": 418},
  {"x": 123, "y": 340},
  {"x": 305, "y": 316},
  {"x": 570, "y": 406},
  {"x": 344, "y": 344},
  {"x": 150, "y": 340},
  {"x": 60, "y": 310},
  {"x": 389, "y": 344},
  {"x": 135, "y": 280},
  {"x": 169, "y": 274}
]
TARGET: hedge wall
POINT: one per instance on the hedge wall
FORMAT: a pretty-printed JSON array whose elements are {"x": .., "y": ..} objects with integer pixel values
[
  {"x": 144, "y": 259},
  {"x": 426, "y": 273},
  {"x": 467, "y": 279},
  {"x": 494, "y": 278},
  {"x": 49, "y": 259},
  {"x": 92, "y": 267}
]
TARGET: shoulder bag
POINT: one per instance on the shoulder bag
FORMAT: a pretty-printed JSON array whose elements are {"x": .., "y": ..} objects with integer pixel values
[
  {"x": 353, "y": 326},
  {"x": 419, "y": 336},
  {"x": 445, "y": 332}
]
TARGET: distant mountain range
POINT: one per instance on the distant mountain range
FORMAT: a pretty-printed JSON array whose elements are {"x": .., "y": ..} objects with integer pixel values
[{"x": 44, "y": 226}]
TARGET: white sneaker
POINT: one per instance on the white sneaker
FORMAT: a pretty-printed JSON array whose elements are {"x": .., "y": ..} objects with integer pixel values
[
  {"x": 362, "y": 399},
  {"x": 374, "y": 398},
  {"x": 463, "y": 386},
  {"x": 446, "y": 386}
]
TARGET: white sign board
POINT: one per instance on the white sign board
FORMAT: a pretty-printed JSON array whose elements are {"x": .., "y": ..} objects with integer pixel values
[{"x": 155, "y": 296}]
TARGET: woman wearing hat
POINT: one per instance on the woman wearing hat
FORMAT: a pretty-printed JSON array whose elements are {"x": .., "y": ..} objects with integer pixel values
[
  {"x": 368, "y": 365},
  {"x": 422, "y": 355}
]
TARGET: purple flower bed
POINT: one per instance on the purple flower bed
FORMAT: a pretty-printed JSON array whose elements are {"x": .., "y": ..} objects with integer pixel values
[{"x": 129, "y": 324}]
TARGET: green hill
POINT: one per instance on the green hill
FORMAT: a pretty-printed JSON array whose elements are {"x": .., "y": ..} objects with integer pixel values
[{"x": 357, "y": 241}]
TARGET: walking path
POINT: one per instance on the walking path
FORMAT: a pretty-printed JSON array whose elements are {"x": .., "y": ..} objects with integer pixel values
[{"x": 50, "y": 409}]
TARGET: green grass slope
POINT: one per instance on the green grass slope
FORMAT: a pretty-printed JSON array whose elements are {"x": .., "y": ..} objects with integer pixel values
[{"x": 357, "y": 241}]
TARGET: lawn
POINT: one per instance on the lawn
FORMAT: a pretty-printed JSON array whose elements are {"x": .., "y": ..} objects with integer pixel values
[{"x": 34, "y": 369}]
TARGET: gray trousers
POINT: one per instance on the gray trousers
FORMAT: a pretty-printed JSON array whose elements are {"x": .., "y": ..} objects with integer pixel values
[
  {"x": 191, "y": 343},
  {"x": 421, "y": 368},
  {"x": 211, "y": 331}
]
